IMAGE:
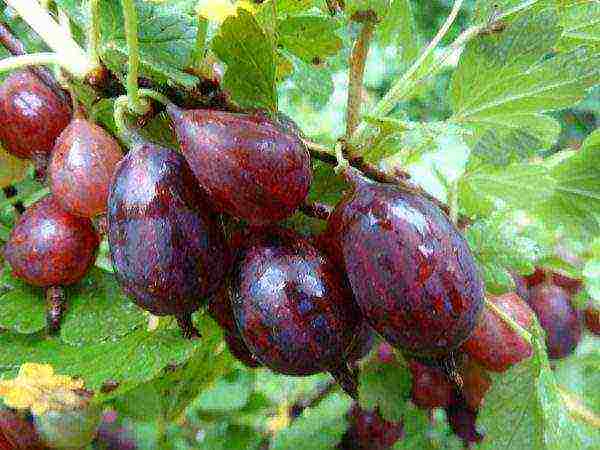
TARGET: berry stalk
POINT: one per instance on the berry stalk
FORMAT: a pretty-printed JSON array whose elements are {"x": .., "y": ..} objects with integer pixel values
[
  {"x": 68, "y": 53},
  {"x": 131, "y": 24}
]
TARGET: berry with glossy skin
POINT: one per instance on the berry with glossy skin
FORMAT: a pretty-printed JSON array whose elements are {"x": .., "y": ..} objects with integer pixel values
[
  {"x": 50, "y": 247},
  {"x": 410, "y": 269},
  {"x": 592, "y": 320},
  {"x": 431, "y": 388},
  {"x": 476, "y": 383},
  {"x": 168, "y": 251},
  {"x": 83, "y": 162},
  {"x": 291, "y": 306},
  {"x": 220, "y": 309},
  {"x": 462, "y": 421},
  {"x": 31, "y": 114},
  {"x": 369, "y": 431},
  {"x": 249, "y": 165},
  {"x": 494, "y": 344},
  {"x": 562, "y": 324}
]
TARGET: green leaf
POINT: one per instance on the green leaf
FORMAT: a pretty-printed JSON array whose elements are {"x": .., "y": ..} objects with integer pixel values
[
  {"x": 524, "y": 409},
  {"x": 287, "y": 389},
  {"x": 250, "y": 57},
  {"x": 399, "y": 29},
  {"x": 227, "y": 436},
  {"x": 98, "y": 310},
  {"x": 501, "y": 244},
  {"x": 580, "y": 19},
  {"x": 22, "y": 307},
  {"x": 416, "y": 429},
  {"x": 310, "y": 38},
  {"x": 505, "y": 139},
  {"x": 516, "y": 186},
  {"x": 167, "y": 36},
  {"x": 135, "y": 359},
  {"x": 309, "y": 82},
  {"x": 385, "y": 386},
  {"x": 575, "y": 203},
  {"x": 230, "y": 393},
  {"x": 318, "y": 428},
  {"x": 516, "y": 72},
  {"x": 183, "y": 379}
]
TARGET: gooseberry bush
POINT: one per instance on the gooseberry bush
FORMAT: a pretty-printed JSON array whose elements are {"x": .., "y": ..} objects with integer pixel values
[{"x": 299, "y": 224}]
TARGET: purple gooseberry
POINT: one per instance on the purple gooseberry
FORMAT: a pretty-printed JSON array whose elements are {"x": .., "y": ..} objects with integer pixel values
[
  {"x": 167, "y": 248},
  {"x": 411, "y": 271},
  {"x": 292, "y": 307},
  {"x": 249, "y": 165}
]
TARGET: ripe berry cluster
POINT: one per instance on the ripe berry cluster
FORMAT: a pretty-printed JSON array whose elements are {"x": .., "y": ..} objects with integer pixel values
[{"x": 390, "y": 261}]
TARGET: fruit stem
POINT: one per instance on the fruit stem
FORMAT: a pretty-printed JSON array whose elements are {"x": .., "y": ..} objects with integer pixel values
[
  {"x": 509, "y": 321},
  {"x": 577, "y": 409},
  {"x": 356, "y": 74},
  {"x": 320, "y": 393},
  {"x": 400, "y": 87},
  {"x": 347, "y": 380},
  {"x": 16, "y": 48},
  {"x": 187, "y": 326},
  {"x": 70, "y": 55},
  {"x": 131, "y": 29},
  {"x": 94, "y": 33},
  {"x": 320, "y": 152},
  {"x": 55, "y": 304}
]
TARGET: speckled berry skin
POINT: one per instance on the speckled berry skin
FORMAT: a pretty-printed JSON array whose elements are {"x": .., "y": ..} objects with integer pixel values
[
  {"x": 462, "y": 421},
  {"x": 31, "y": 115},
  {"x": 290, "y": 304},
  {"x": 369, "y": 431},
  {"x": 411, "y": 271},
  {"x": 431, "y": 388},
  {"x": 249, "y": 166},
  {"x": 83, "y": 162},
  {"x": 476, "y": 383},
  {"x": 494, "y": 344},
  {"x": 592, "y": 320},
  {"x": 562, "y": 324},
  {"x": 220, "y": 309},
  {"x": 168, "y": 251},
  {"x": 50, "y": 247}
]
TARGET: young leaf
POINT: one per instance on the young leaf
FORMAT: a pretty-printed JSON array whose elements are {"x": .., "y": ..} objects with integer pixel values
[
  {"x": 317, "y": 428},
  {"x": 399, "y": 29},
  {"x": 250, "y": 57},
  {"x": 506, "y": 139},
  {"x": 385, "y": 385},
  {"x": 98, "y": 310},
  {"x": 310, "y": 38},
  {"x": 22, "y": 307},
  {"x": 501, "y": 245}
]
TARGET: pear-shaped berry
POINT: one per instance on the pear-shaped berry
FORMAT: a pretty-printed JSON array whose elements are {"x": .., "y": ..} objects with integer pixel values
[
  {"x": 251, "y": 167},
  {"x": 83, "y": 162}
]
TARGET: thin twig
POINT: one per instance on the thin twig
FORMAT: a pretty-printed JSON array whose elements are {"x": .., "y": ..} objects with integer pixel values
[
  {"x": 389, "y": 101},
  {"x": 320, "y": 152},
  {"x": 323, "y": 391},
  {"x": 358, "y": 59}
]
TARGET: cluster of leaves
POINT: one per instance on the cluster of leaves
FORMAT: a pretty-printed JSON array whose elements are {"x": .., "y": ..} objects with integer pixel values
[{"x": 487, "y": 153}]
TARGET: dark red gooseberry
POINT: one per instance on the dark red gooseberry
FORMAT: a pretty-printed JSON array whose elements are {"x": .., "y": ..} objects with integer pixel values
[
  {"x": 411, "y": 271},
  {"x": 552, "y": 305},
  {"x": 83, "y": 162},
  {"x": 369, "y": 431},
  {"x": 292, "y": 308},
  {"x": 220, "y": 309},
  {"x": 167, "y": 248},
  {"x": 431, "y": 388},
  {"x": 31, "y": 114},
  {"x": 476, "y": 383},
  {"x": 249, "y": 166},
  {"x": 239, "y": 350},
  {"x": 592, "y": 320},
  {"x": 18, "y": 431},
  {"x": 494, "y": 344},
  {"x": 462, "y": 421},
  {"x": 50, "y": 247}
]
